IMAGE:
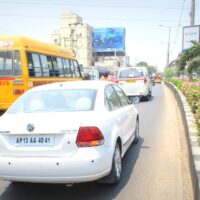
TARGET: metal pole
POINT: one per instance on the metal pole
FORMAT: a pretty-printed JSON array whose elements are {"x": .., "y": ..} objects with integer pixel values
[
  {"x": 168, "y": 48},
  {"x": 192, "y": 13}
]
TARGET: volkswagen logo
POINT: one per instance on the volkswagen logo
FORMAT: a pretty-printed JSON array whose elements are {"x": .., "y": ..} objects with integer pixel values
[{"x": 30, "y": 127}]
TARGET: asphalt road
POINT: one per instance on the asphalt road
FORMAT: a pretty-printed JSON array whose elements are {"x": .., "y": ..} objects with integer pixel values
[{"x": 154, "y": 169}]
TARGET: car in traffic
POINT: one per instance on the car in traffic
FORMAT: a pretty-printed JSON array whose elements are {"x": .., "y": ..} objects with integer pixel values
[
  {"x": 135, "y": 82},
  {"x": 157, "y": 78},
  {"x": 67, "y": 132}
]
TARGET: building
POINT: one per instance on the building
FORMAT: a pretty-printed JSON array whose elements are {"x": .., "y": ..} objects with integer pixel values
[
  {"x": 102, "y": 48},
  {"x": 77, "y": 36},
  {"x": 56, "y": 37}
]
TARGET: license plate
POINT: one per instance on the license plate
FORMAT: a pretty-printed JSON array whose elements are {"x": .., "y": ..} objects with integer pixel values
[
  {"x": 34, "y": 140},
  {"x": 130, "y": 81}
]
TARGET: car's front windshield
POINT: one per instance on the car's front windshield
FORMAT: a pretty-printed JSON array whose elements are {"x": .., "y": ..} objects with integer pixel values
[{"x": 55, "y": 101}]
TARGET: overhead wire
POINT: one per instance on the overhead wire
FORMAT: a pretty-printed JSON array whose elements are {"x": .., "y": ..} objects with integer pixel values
[
  {"x": 74, "y": 4},
  {"x": 178, "y": 27},
  {"x": 87, "y": 5}
]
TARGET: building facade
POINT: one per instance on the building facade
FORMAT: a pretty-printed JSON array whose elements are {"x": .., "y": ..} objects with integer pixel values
[
  {"x": 77, "y": 36},
  {"x": 102, "y": 48}
]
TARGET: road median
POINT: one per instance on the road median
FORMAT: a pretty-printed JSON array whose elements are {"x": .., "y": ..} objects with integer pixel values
[{"x": 192, "y": 138}]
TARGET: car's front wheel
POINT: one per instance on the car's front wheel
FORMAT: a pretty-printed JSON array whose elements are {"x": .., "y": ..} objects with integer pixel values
[{"x": 115, "y": 173}]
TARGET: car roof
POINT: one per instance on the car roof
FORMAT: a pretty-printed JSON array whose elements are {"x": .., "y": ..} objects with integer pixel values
[{"x": 83, "y": 84}]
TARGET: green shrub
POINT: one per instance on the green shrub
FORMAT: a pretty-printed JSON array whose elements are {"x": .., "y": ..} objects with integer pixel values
[
  {"x": 168, "y": 74},
  {"x": 191, "y": 91},
  {"x": 192, "y": 94},
  {"x": 177, "y": 82}
]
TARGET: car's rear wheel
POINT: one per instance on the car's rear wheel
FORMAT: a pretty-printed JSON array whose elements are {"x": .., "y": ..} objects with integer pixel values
[
  {"x": 115, "y": 173},
  {"x": 136, "y": 138},
  {"x": 148, "y": 97}
]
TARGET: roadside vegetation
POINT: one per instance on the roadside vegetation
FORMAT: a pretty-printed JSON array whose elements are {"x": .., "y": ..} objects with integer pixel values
[{"x": 184, "y": 73}]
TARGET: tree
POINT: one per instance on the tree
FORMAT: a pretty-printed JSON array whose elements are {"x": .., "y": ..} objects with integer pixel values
[
  {"x": 142, "y": 64},
  {"x": 194, "y": 65},
  {"x": 151, "y": 69},
  {"x": 169, "y": 73},
  {"x": 190, "y": 59}
]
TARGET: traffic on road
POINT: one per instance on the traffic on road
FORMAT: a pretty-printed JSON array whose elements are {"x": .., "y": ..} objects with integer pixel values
[
  {"x": 153, "y": 165},
  {"x": 90, "y": 107}
]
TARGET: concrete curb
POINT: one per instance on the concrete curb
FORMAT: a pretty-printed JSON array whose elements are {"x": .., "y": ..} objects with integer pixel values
[{"x": 192, "y": 139}]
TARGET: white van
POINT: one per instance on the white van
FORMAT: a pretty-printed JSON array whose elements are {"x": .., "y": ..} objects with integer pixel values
[{"x": 135, "y": 82}]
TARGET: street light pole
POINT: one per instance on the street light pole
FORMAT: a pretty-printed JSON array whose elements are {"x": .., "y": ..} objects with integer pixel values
[
  {"x": 192, "y": 13},
  {"x": 168, "y": 44},
  {"x": 168, "y": 47}
]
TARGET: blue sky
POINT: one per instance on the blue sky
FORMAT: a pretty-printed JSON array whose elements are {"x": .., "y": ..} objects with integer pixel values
[{"x": 145, "y": 39}]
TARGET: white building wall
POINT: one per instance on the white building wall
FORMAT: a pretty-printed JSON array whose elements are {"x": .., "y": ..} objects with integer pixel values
[
  {"x": 77, "y": 36},
  {"x": 55, "y": 37}
]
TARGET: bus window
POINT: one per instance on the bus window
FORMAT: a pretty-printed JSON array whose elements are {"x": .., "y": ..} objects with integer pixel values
[
  {"x": 72, "y": 68},
  {"x": 6, "y": 63},
  {"x": 67, "y": 70},
  {"x": 17, "y": 64},
  {"x": 55, "y": 67},
  {"x": 36, "y": 64},
  {"x": 45, "y": 67},
  {"x": 30, "y": 65},
  {"x": 1, "y": 61},
  {"x": 76, "y": 67},
  {"x": 60, "y": 67},
  {"x": 50, "y": 66}
]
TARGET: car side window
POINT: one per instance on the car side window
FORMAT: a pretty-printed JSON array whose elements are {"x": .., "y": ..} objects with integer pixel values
[
  {"x": 122, "y": 97},
  {"x": 111, "y": 99}
]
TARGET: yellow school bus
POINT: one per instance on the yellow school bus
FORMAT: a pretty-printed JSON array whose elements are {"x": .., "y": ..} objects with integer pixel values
[{"x": 25, "y": 63}]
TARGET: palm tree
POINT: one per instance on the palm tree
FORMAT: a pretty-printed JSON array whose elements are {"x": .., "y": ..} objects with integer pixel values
[{"x": 190, "y": 59}]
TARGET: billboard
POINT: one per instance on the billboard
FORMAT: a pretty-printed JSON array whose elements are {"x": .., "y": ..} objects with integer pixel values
[
  {"x": 109, "y": 39},
  {"x": 190, "y": 33}
]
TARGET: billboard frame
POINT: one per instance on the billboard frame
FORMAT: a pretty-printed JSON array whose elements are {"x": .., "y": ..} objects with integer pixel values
[
  {"x": 184, "y": 46},
  {"x": 111, "y": 39}
]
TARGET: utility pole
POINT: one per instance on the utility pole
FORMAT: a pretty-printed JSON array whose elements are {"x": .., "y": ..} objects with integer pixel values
[
  {"x": 168, "y": 44},
  {"x": 168, "y": 47},
  {"x": 192, "y": 13}
]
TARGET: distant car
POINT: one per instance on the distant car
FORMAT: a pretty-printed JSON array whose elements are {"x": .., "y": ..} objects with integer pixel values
[
  {"x": 157, "y": 78},
  {"x": 135, "y": 82},
  {"x": 152, "y": 80},
  {"x": 67, "y": 132}
]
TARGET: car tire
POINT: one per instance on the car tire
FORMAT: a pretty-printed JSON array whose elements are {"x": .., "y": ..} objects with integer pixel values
[
  {"x": 115, "y": 173},
  {"x": 136, "y": 138},
  {"x": 148, "y": 97}
]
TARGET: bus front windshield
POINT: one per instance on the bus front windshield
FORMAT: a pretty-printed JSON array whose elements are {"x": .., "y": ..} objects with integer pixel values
[{"x": 10, "y": 64}]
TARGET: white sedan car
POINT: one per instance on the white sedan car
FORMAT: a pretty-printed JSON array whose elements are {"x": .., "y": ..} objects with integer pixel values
[
  {"x": 135, "y": 82},
  {"x": 68, "y": 132}
]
